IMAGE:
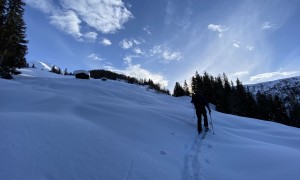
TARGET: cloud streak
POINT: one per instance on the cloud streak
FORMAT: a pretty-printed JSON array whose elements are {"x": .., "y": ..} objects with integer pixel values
[
  {"x": 268, "y": 26},
  {"x": 241, "y": 73},
  {"x": 272, "y": 76}
]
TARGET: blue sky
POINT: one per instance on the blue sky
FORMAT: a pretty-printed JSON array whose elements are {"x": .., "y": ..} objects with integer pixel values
[{"x": 168, "y": 40}]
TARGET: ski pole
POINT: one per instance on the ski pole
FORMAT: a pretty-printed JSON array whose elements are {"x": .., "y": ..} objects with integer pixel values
[
  {"x": 212, "y": 126},
  {"x": 194, "y": 112}
]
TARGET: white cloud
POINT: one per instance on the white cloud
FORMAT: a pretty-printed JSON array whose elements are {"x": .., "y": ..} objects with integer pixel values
[
  {"x": 217, "y": 28},
  {"x": 90, "y": 36},
  {"x": 95, "y": 57},
  {"x": 136, "y": 42},
  {"x": 129, "y": 5},
  {"x": 268, "y": 26},
  {"x": 129, "y": 43},
  {"x": 146, "y": 29},
  {"x": 170, "y": 56},
  {"x": 128, "y": 58},
  {"x": 126, "y": 44},
  {"x": 105, "y": 16},
  {"x": 250, "y": 48},
  {"x": 166, "y": 54},
  {"x": 236, "y": 45},
  {"x": 241, "y": 73},
  {"x": 156, "y": 50},
  {"x": 45, "y": 6},
  {"x": 68, "y": 22},
  {"x": 272, "y": 75},
  {"x": 138, "y": 51},
  {"x": 105, "y": 42}
]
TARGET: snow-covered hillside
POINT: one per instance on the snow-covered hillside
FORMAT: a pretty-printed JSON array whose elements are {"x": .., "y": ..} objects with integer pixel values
[
  {"x": 66, "y": 128},
  {"x": 284, "y": 88},
  {"x": 41, "y": 65}
]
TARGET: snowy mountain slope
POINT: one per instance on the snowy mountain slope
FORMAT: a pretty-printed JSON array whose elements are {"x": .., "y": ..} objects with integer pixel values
[
  {"x": 41, "y": 65},
  {"x": 31, "y": 72},
  {"x": 60, "y": 128},
  {"x": 284, "y": 88}
]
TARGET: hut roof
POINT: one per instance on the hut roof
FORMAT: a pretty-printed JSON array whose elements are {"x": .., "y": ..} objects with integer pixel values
[{"x": 81, "y": 71}]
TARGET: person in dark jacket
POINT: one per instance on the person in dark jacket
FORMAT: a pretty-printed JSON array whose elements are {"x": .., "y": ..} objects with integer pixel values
[{"x": 200, "y": 102}]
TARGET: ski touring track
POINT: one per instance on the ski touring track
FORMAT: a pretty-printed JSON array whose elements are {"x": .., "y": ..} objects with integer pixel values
[{"x": 195, "y": 158}]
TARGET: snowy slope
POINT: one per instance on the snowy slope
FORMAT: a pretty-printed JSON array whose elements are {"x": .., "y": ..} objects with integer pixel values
[
  {"x": 41, "y": 65},
  {"x": 284, "y": 88},
  {"x": 66, "y": 128}
]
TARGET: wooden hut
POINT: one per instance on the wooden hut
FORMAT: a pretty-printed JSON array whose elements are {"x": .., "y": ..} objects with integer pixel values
[{"x": 82, "y": 74}]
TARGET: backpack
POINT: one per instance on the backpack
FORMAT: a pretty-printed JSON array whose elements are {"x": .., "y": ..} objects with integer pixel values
[{"x": 199, "y": 100}]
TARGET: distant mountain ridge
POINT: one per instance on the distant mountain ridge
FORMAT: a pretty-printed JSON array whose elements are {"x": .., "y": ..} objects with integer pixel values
[{"x": 287, "y": 89}]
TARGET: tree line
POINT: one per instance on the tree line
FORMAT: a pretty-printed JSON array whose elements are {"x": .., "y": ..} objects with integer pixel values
[
  {"x": 237, "y": 100},
  {"x": 13, "y": 41},
  {"x": 100, "y": 73}
]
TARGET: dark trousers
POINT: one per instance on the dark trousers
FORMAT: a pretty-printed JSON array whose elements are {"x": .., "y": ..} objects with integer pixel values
[{"x": 199, "y": 112}]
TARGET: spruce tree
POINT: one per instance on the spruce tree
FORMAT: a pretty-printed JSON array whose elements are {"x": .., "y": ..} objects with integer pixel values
[
  {"x": 207, "y": 87},
  {"x": 3, "y": 10},
  {"x": 279, "y": 111},
  {"x": 261, "y": 106},
  {"x": 2, "y": 14},
  {"x": 218, "y": 93},
  {"x": 241, "y": 98},
  {"x": 15, "y": 48},
  {"x": 197, "y": 83},
  {"x": 226, "y": 97},
  {"x": 251, "y": 105},
  {"x": 295, "y": 114},
  {"x": 186, "y": 88},
  {"x": 178, "y": 90}
]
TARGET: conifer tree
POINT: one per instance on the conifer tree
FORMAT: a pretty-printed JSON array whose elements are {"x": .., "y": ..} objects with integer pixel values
[
  {"x": 295, "y": 114},
  {"x": 279, "y": 111},
  {"x": 197, "y": 83},
  {"x": 218, "y": 93},
  {"x": 226, "y": 97},
  {"x": 251, "y": 105},
  {"x": 186, "y": 89},
  {"x": 207, "y": 87},
  {"x": 66, "y": 71},
  {"x": 3, "y": 10},
  {"x": 14, "y": 47},
  {"x": 240, "y": 98},
  {"x": 2, "y": 14},
  {"x": 193, "y": 84},
  {"x": 178, "y": 90}
]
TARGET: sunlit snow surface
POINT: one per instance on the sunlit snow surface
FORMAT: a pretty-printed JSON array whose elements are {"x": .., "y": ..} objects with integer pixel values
[{"x": 53, "y": 127}]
